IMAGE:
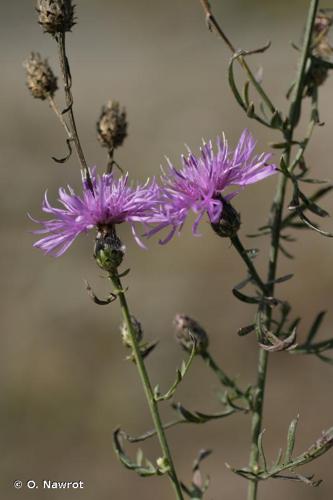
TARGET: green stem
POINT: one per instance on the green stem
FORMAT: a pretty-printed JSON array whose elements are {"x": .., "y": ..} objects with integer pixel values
[
  {"x": 214, "y": 23},
  {"x": 256, "y": 421},
  {"x": 248, "y": 262},
  {"x": 277, "y": 209},
  {"x": 221, "y": 375},
  {"x": 147, "y": 386}
]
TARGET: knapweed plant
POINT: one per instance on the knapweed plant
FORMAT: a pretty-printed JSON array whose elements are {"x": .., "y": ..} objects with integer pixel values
[{"x": 205, "y": 183}]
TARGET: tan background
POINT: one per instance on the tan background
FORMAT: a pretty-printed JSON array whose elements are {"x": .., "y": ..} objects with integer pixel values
[{"x": 64, "y": 382}]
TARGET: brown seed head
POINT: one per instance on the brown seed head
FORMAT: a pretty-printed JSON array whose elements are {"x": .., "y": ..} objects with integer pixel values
[
  {"x": 56, "y": 16},
  {"x": 188, "y": 329},
  {"x": 321, "y": 45},
  {"x": 40, "y": 78},
  {"x": 112, "y": 125}
]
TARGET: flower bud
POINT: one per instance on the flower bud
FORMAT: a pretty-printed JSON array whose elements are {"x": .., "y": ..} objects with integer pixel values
[
  {"x": 40, "y": 78},
  {"x": 125, "y": 334},
  {"x": 229, "y": 222},
  {"x": 163, "y": 464},
  {"x": 112, "y": 125},
  {"x": 187, "y": 327},
  {"x": 55, "y": 16},
  {"x": 322, "y": 50},
  {"x": 109, "y": 251}
]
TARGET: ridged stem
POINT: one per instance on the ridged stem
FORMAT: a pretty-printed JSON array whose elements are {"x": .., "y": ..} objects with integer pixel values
[
  {"x": 147, "y": 387},
  {"x": 65, "y": 70},
  {"x": 277, "y": 210}
]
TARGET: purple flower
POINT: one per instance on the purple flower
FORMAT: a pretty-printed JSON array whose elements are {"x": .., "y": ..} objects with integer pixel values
[
  {"x": 112, "y": 202},
  {"x": 200, "y": 185}
]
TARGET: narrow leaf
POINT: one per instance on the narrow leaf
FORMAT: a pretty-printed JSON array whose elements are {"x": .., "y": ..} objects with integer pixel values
[
  {"x": 315, "y": 327},
  {"x": 291, "y": 440}
]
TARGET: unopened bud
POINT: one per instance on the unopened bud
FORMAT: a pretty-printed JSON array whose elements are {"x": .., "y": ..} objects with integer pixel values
[
  {"x": 188, "y": 329},
  {"x": 125, "y": 334},
  {"x": 40, "y": 78},
  {"x": 112, "y": 125},
  {"x": 55, "y": 16},
  {"x": 109, "y": 251},
  {"x": 229, "y": 222},
  {"x": 163, "y": 464}
]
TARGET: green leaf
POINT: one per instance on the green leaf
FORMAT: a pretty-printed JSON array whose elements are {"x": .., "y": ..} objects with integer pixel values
[
  {"x": 245, "y": 298},
  {"x": 291, "y": 440},
  {"x": 315, "y": 327},
  {"x": 261, "y": 450},
  {"x": 180, "y": 374},
  {"x": 245, "y": 330}
]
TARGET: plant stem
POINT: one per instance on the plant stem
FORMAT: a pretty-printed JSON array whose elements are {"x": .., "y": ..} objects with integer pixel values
[
  {"x": 147, "y": 386},
  {"x": 249, "y": 264},
  {"x": 110, "y": 161},
  {"x": 221, "y": 375},
  {"x": 256, "y": 421},
  {"x": 211, "y": 19},
  {"x": 55, "y": 109},
  {"x": 66, "y": 75},
  {"x": 277, "y": 209}
]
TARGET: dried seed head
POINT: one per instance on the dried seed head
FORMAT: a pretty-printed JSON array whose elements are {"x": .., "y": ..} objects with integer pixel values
[
  {"x": 229, "y": 222},
  {"x": 125, "y": 334},
  {"x": 112, "y": 125},
  {"x": 321, "y": 45},
  {"x": 187, "y": 329},
  {"x": 40, "y": 78},
  {"x": 56, "y": 16},
  {"x": 322, "y": 51},
  {"x": 109, "y": 251}
]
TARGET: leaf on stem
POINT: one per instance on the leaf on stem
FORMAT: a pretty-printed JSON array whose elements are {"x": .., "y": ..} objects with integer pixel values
[
  {"x": 69, "y": 154},
  {"x": 143, "y": 470},
  {"x": 291, "y": 440},
  {"x": 276, "y": 120},
  {"x": 101, "y": 302},
  {"x": 181, "y": 372},
  {"x": 285, "y": 462},
  {"x": 198, "y": 417},
  {"x": 245, "y": 330},
  {"x": 314, "y": 329},
  {"x": 270, "y": 342}
]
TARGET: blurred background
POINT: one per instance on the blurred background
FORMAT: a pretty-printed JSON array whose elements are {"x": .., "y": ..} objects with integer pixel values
[{"x": 65, "y": 383}]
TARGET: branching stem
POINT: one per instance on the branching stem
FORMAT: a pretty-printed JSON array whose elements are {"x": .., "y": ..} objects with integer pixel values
[
  {"x": 60, "y": 116},
  {"x": 276, "y": 216},
  {"x": 249, "y": 263},
  {"x": 212, "y": 22},
  {"x": 147, "y": 385}
]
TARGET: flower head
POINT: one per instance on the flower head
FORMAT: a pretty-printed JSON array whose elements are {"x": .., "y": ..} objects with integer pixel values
[
  {"x": 56, "y": 16},
  {"x": 201, "y": 185},
  {"x": 112, "y": 202},
  {"x": 40, "y": 78},
  {"x": 112, "y": 125},
  {"x": 189, "y": 330}
]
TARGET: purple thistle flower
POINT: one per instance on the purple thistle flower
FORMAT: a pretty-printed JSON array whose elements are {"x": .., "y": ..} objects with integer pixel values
[
  {"x": 112, "y": 202},
  {"x": 200, "y": 185}
]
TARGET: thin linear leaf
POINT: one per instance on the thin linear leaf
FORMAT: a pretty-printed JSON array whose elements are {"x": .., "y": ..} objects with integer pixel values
[
  {"x": 291, "y": 440},
  {"x": 180, "y": 375},
  {"x": 315, "y": 327},
  {"x": 261, "y": 450}
]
